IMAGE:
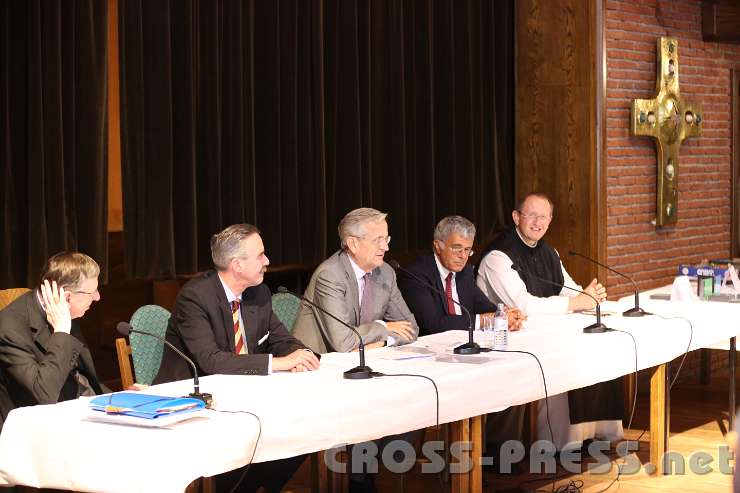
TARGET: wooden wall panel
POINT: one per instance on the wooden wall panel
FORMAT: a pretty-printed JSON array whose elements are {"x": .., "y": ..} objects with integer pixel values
[
  {"x": 720, "y": 21},
  {"x": 556, "y": 121},
  {"x": 735, "y": 102}
]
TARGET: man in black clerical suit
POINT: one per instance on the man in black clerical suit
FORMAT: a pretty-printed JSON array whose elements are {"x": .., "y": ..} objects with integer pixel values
[
  {"x": 43, "y": 356},
  {"x": 594, "y": 411},
  {"x": 224, "y": 321},
  {"x": 448, "y": 270}
]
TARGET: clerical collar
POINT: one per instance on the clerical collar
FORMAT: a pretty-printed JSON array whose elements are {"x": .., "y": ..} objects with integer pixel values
[
  {"x": 229, "y": 295},
  {"x": 359, "y": 273},
  {"x": 444, "y": 271},
  {"x": 516, "y": 228}
]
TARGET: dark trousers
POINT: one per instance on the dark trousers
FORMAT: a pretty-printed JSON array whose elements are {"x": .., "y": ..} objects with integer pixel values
[
  {"x": 364, "y": 481},
  {"x": 503, "y": 426},
  {"x": 272, "y": 475}
]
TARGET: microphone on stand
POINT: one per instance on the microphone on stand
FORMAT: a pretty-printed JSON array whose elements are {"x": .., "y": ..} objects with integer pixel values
[
  {"x": 357, "y": 373},
  {"x": 469, "y": 347},
  {"x": 125, "y": 329},
  {"x": 636, "y": 311},
  {"x": 595, "y": 328}
]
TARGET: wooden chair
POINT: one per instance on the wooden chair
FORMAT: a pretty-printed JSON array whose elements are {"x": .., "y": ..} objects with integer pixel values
[
  {"x": 7, "y": 296},
  {"x": 123, "y": 351},
  {"x": 146, "y": 354}
]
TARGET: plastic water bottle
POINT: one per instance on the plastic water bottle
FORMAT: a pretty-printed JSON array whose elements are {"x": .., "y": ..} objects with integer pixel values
[
  {"x": 486, "y": 326},
  {"x": 500, "y": 330}
]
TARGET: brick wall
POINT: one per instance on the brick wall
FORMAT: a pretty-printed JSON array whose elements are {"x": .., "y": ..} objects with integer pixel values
[{"x": 703, "y": 229}]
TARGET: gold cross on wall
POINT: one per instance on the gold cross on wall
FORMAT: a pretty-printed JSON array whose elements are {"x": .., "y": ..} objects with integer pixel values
[{"x": 669, "y": 119}]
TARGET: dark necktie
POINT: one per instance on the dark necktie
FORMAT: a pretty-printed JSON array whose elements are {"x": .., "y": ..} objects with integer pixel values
[
  {"x": 448, "y": 293},
  {"x": 366, "y": 310}
]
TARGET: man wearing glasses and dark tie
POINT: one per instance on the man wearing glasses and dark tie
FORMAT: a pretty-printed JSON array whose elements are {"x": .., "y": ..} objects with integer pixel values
[
  {"x": 438, "y": 310},
  {"x": 448, "y": 270}
]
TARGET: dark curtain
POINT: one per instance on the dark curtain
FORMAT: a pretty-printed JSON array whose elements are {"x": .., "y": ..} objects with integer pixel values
[
  {"x": 53, "y": 134},
  {"x": 288, "y": 114}
]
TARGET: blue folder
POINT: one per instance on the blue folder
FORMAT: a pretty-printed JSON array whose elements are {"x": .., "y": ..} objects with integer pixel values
[{"x": 144, "y": 406}]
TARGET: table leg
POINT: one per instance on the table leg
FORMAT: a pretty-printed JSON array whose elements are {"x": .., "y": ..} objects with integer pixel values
[
  {"x": 469, "y": 431},
  {"x": 733, "y": 360},
  {"x": 658, "y": 417},
  {"x": 476, "y": 434},
  {"x": 705, "y": 366},
  {"x": 460, "y": 434}
]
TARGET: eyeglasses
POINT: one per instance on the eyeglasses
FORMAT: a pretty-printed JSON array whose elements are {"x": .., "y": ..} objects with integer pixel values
[
  {"x": 541, "y": 217},
  {"x": 459, "y": 249},
  {"x": 86, "y": 292},
  {"x": 379, "y": 241}
]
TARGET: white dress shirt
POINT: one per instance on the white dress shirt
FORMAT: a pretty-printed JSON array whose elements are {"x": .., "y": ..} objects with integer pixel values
[
  {"x": 443, "y": 272},
  {"x": 230, "y": 297},
  {"x": 359, "y": 277}
]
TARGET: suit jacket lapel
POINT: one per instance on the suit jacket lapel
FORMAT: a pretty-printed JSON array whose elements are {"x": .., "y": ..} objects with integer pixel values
[
  {"x": 436, "y": 280},
  {"x": 463, "y": 292},
  {"x": 352, "y": 290},
  {"x": 87, "y": 368},
  {"x": 225, "y": 309},
  {"x": 381, "y": 294},
  {"x": 37, "y": 320},
  {"x": 249, "y": 317}
]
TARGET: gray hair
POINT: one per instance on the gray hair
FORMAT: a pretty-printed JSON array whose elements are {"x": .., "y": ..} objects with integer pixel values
[
  {"x": 454, "y": 224},
  {"x": 353, "y": 224},
  {"x": 69, "y": 269},
  {"x": 227, "y": 244},
  {"x": 540, "y": 195}
]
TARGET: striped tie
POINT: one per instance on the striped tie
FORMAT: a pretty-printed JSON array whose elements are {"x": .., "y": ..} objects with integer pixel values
[{"x": 239, "y": 346}]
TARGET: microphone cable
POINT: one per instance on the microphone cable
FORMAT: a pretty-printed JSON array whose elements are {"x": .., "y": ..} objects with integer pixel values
[
  {"x": 436, "y": 390},
  {"x": 634, "y": 402},
  {"x": 576, "y": 485},
  {"x": 691, "y": 337},
  {"x": 436, "y": 393},
  {"x": 632, "y": 412},
  {"x": 547, "y": 406},
  {"x": 254, "y": 450}
]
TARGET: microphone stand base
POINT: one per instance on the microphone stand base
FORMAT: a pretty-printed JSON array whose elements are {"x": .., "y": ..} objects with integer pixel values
[
  {"x": 596, "y": 328},
  {"x": 206, "y": 398},
  {"x": 635, "y": 312},
  {"x": 470, "y": 348},
  {"x": 359, "y": 373}
]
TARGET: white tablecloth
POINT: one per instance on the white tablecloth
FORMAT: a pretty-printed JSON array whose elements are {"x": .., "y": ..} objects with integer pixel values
[
  {"x": 704, "y": 306},
  {"x": 53, "y": 446}
]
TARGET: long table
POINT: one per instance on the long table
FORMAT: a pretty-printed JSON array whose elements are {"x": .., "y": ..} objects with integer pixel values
[
  {"x": 660, "y": 391},
  {"x": 53, "y": 446}
]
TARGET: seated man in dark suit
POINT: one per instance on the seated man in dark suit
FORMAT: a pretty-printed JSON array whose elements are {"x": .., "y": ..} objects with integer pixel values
[
  {"x": 224, "y": 321},
  {"x": 448, "y": 270},
  {"x": 43, "y": 357}
]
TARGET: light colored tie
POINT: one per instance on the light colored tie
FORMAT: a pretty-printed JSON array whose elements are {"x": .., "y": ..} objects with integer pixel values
[
  {"x": 239, "y": 344},
  {"x": 366, "y": 307}
]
